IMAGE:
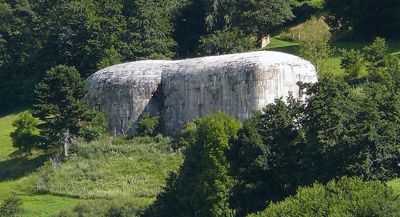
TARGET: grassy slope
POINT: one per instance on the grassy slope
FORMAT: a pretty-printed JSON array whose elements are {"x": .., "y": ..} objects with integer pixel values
[
  {"x": 334, "y": 62},
  {"x": 5, "y": 140},
  {"x": 112, "y": 169},
  {"x": 134, "y": 169},
  {"x": 33, "y": 204}
]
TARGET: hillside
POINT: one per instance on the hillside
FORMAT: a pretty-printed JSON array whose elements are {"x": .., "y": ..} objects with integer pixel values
[{"x": 134, "y": 170}]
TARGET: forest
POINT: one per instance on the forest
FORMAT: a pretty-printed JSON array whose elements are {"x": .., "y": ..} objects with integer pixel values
[{"x": 336, "y": 153}]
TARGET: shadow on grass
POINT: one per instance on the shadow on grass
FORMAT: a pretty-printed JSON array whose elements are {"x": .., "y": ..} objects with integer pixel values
[
  {"x": 13, "y": 112},
  {"x": 18, "y": 167},
  {"x": 292, "y": 49}
]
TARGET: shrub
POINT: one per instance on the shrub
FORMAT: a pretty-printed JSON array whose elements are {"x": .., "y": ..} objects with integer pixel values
[
  {"x": 11, "y": 207},
  {"x": 94, "y": 128},
  {"x": 26, "y": 135},
  {"x": 314, "y": 37},
  {"x": 346, "y": 197},
  {"x": 121, "y": 207},
  {"x": 352, "y": 62},
  {"x": 148, "y": 126}
]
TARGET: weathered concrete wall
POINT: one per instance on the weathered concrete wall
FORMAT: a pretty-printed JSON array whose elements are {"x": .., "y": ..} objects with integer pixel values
[
  {"x": 125, "y": 92},
  {"x": 182, "y": 90}
]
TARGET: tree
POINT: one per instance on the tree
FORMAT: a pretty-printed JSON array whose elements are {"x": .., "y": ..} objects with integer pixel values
[
  {"x": 61, "y": 106},
  {"x": 339, "y": 131},
  {"x": 345, "y": 197},
  {"x": 150, "y": 29},
  {"x": 26, "y": 135},
  {"x": 377, "y": 53},
  {"x": 368, "y": 17},
  {"x": 261, "y": 17},
  {"x": 224, "y": 42},
  {"x": 202, "y": 186},
  {"x": 94, "y": 126},
  {"x": 352, "y": 62},
  {"x": 314, "y": 42},
  {"x": 18, "y": 49},
  {"x": 266, "y": 157}
]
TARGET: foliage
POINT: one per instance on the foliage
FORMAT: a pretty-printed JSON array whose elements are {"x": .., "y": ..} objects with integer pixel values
[
  {"x": 26, "y": 134},
  {"x": 352, "y": 62},
  {"x": 314, "y": 42},
  {"x": 339, "y": 131},
  {"x": 235, "y": 25},
  {"x": 368, "y": 17},
  {"x": 262, "y": 17},
  {"x": 11, "y": 207},
  {"x": 109, "y": 57},
  {"x": 265, "y": 159},
  {"x": 201, "y": 187},
  {"x": 148, "y": 126},
  {"x": 224, "y": 42},
  {"x": 111, "y": 169},
  {"x": 86, "y": 34},
  {"x": 105, "y": 208},
  {"x": 377, "y": 53},
  {"x": 151, "y": 28},
  {"x": 345, "y": 197},
  {"x": 95, "y": 126},
  {"x": 60, "y": 103}
]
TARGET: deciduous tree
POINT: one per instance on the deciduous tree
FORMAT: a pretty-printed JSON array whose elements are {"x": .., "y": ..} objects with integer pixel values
[
  {"x": 26, "y": 135},
  {"x": 202, "y": 186}
]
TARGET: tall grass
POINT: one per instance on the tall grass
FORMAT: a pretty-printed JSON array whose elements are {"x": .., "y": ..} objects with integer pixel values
[{"x": 107, "y": 169}]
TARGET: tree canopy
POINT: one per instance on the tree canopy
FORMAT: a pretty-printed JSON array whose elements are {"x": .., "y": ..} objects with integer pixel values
[
  {"x": 88, "y": 35},
  {"x": 372, "y": 17},
  {"x": 338, "y": 131},
  {"x": 201, "y": 187},
  {"x": 345, "y": 197},
  {"x": 61, "y": 106}
]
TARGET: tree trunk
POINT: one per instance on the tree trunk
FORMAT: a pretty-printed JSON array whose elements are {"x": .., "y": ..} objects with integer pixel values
[{"x": 65, "y": 141}]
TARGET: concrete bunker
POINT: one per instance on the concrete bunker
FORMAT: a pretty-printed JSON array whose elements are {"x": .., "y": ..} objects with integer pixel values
[{"x": 182, "y": 90}]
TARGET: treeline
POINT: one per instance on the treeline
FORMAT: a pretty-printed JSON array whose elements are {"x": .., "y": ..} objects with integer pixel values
[
  {"x": 88, "y": 35},
  {"x": 340, "y": 130}
]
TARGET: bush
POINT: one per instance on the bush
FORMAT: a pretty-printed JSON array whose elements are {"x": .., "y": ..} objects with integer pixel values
[
  {"x": 314, "y": 37},
  {"x": 346, "y": 197},
  {"x": 105, "y": 208},
  {"x": 94, "y": 128},
  {"x": 11, "y": 207},
  {"x": 26, "y": 135},
  {"x": 352, "y": 62},
  {"x": 148, "y": 126}
]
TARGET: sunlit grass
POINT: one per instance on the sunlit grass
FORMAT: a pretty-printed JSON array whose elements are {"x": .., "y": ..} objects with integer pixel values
[
  {"x": 5, "y": 141},
  {"x": 107, "y": 169},
  {"x": 395, "y": 184}
]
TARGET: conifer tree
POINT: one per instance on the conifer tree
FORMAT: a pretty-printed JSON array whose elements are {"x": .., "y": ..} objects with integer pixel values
[{"x": 61, "y": 106}]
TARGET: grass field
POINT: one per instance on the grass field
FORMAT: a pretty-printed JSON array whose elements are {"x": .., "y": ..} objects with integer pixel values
[{"x": 18, "y": 185}]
